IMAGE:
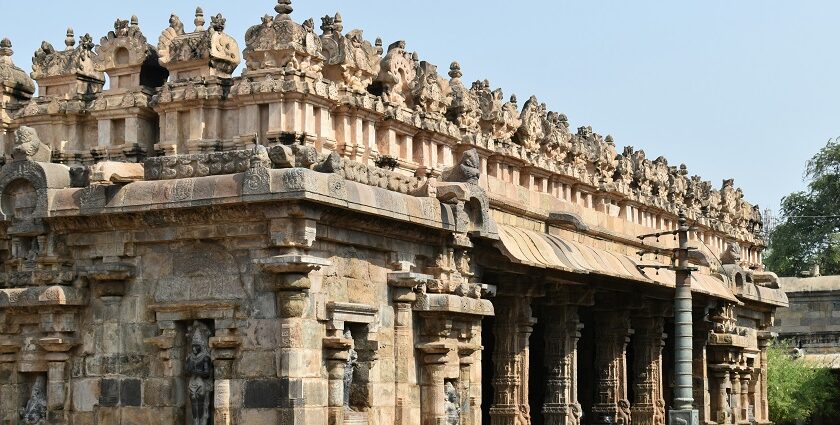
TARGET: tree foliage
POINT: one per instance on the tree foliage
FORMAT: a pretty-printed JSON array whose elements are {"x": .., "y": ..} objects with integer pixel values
[
  {"x": 797, "y": 390},
  {"x": 810, "y": 231}
]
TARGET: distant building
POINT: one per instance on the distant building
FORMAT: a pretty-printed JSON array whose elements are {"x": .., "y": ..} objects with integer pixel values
[{"x": 812, "y": 322}]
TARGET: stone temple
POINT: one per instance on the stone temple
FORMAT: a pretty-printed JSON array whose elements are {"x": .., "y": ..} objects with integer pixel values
[{"x": 343, "y": 233}]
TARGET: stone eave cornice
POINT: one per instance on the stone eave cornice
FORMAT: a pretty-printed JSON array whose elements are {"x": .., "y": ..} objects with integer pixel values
[{"x": 286, "y": 185}]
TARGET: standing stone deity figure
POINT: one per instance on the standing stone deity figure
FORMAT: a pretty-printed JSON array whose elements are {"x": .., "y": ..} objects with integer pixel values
[
  {"x": 35, "y": 412},
  {"x": 453, "y": 405},
  {"x": 200, "y": 372},
  {"x": 352, "y": 359}
]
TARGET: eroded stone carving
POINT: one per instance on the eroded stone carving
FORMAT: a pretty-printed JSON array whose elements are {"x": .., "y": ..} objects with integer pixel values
[
  {"x": 468, "y": 169},
  {"x": 199, "y": 369},
  {"x": 11, "y": 76},
  {"x": 349, "y": 59},
  {"x": 452, "y": 403},
  {"x": 126, "y": 47},
  {"x": 279, "y": 43},
  {"x": 196, "y": 54},
  {"x": 396, "y": 73},
  {"x": 464, "y": 109},
  {"x": 48, "y": 62},
  {"x": 29, "y": 147},
  {"x": 35, "y": 412},
  {"x": 349, "y": 369},
  {"x": 430, "y": 93},
  {"x": 499, "y": 120}
]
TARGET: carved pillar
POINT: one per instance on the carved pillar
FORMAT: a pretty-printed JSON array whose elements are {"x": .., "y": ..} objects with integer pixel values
[
  {"x": 403, "y": 283},
  {"x": 337, "y": 352},
  {"x": 432, "y": 383},
  {"x": 721, "y": 412},
  {"x": 470, "y": 402},
  {"x": 648, "y": 404},
  {"x": 510, "y": 357},
  {"x": 744, "y": 394},
  {"x": 612, "y": 330},
  {"x": 735, "y": 396},
  {"x": 223, "y": 345},
  {"x": 762, "y": 415},
  {"x": 562, "y": 332}
]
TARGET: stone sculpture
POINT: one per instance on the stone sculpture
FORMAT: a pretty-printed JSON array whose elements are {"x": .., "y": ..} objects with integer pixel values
[
  {"x": 29, "y": 147},
  {"x": 200, "y": 372},
  {"x": 468, "y": 169},
  {"x": 35, "y": 412},
  {"x": 349, "y": 369},
  {"x": 453, "y": 405},
  {"x": 280, "y": 42}
]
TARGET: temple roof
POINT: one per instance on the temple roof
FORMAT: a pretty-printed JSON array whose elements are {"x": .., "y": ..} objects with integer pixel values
[{"x": 12, "y": 77}]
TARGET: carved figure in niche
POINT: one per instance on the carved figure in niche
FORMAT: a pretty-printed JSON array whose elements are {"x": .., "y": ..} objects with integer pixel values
[
  {"x": 200, "y": 372},
  {"x": 352, "y": 359},
  {"x": 35, "y": 412},
  {"x": 453, "y": 405}
]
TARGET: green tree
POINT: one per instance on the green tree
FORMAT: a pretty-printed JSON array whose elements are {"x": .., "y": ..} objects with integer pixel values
[
  {"x": 810, "y": 231},
  {"x": 797, "y": 390}
]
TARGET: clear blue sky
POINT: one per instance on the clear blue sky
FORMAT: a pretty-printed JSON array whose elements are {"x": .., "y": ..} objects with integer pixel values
[{"x": 745, "y": 89}]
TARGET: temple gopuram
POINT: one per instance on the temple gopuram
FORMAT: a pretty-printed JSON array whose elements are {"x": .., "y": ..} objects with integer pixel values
[{"x": 321, "y": 229}]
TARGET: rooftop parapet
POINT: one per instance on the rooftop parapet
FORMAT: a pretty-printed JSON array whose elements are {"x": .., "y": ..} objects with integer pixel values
[
  {"x": 128, "y": 59},
  {"x": 13, "y": 80},
  {"x": 201, "y": 53},
  {"x": 349, "y": 59},
  {"x": 280, "y": 43},
  {"x": 69, "y": 73}
]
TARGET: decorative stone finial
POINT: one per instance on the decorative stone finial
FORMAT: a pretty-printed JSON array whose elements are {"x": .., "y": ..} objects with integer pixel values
[
  {"x": 338, "y": 23},
  {"x": 199, "y": 19},
  {"x": 609, "y": 140},
  {"x": 176, "y": 24},
  {"x": 86, "y": 42},
  {"x": 70, "y": 39},
  {"x": 6, "y": 47},
  {"x": 134, "y": 21},
  {"x": 218, "y": 22},
  {"x": 378, "y": 45},
  {"x": 283, "y": 8},
  {"x": 455, "y": 71}
]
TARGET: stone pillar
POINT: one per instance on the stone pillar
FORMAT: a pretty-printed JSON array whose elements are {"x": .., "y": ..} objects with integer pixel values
[
  {"x": 432, "y": 384},
  {"x": 562, "y": 332},
  {"x": 510, "y": 357},
  {"x": 337, "y": 350},
  {"x": 403, "y": 282},
  {"x": 55, "y": 385},
  {"x": 721, "y": 413},
  {"x": 612, "y": 331},
  {"x": 735, "y": 396},
  {"x": 744, "y": 393},
  {"x": 224, "y": 345},
  {"x": 469, "y": 413},
  {"x": 762, "y": 415},
  {"x": 648, "y": 404}
]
